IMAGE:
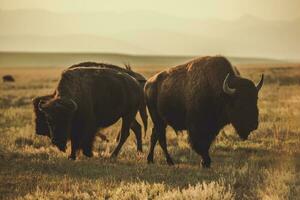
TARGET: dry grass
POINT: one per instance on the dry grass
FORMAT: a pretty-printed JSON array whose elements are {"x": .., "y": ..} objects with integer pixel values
[{"x": 264, "y": 167}]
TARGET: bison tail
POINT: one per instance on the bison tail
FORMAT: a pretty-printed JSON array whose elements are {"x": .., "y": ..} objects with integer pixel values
[{"x": 144, "y": 117}]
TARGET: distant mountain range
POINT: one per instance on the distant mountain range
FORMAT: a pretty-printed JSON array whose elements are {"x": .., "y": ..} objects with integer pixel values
[{"x": 144, "y": 32}]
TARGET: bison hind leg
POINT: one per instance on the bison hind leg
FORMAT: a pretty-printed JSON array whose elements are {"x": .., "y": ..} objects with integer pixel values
[
  {"x": 152, "y": 146},
  {"x": 159, "y": 133},
  {"x": 126, "y": 122},
  {"x": 163, "y": 145},
  {"x": 137, "y": 129}
]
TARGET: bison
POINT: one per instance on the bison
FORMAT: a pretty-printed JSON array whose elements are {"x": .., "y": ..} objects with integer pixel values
[
  {"x": 8, "y": 78},
  {"x": 201, "y": 96},
  {"x": 87, "y": 99},
  {"x": 41, "y": 125}
]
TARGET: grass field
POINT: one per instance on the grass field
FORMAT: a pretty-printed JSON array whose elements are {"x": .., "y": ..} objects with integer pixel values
[{"x": 267, "y": 166}]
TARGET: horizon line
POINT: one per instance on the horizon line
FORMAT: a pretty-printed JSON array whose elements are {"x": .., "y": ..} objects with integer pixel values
[{"x": 143, "y": 55}]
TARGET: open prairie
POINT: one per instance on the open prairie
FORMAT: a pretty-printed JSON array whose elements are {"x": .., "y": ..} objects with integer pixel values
[{"x": 267, "y": 166}]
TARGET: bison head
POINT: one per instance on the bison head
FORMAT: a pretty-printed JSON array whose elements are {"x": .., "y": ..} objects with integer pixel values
[
  {"x": 242, "y": 109},
  {"x": 41, "y": 125},
  {"x": 59, "y": 114}
]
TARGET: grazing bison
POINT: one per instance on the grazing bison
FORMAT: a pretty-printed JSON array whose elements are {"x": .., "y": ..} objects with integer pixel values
[
  {"x": 8, "y": 78},
  {"x": 41, "y": 124},
  {"x": 201, "y": 96},
  {"x": 87, "y": 99}
]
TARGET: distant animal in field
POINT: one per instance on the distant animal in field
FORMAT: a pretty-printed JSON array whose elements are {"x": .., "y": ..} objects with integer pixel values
[
  {"x": 8, "y": 78},
  {"x": 87, "y": 99},
  {"x": 41, "y": 125},
  {"x": 201, "y": 96}
]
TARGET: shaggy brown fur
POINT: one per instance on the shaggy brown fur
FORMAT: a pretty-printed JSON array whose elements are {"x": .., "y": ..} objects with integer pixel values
[
  {"x": 41, "y": 124},
  {"x": 87, "y": 99},
  {"x": 126, "y": 70},
  {"x": 191, "y": 97}
]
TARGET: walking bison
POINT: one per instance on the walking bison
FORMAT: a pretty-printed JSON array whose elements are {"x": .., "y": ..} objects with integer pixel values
[
  {"x": 201, "y": 96},
  {"x": 41, "y": 125},
  {"x": 87, "y": 99}
]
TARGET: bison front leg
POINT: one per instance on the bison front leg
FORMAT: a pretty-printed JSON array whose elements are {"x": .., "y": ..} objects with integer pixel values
[
  {"x": 206, "y": 160},
  {"x": 203, "y": 150},
  {"x": 87, "y": 151},
  {"x": 87, "y": 145},
  {"x": 201, "y": 143},
  {"x": 74, "y": 148}
]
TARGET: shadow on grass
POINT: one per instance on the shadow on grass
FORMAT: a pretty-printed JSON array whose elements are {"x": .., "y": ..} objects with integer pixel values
[{"x": 22, "y": 173}]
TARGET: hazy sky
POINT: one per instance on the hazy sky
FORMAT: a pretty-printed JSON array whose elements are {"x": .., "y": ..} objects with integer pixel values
[
  {"x": 229, "y": 9},
  {"x": 171, "y": 27}
]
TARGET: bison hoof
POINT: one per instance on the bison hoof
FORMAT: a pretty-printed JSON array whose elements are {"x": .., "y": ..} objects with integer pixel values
[
  {"x": 205, "y": 164},
  {"x": 71, "y": 157},
  {"x": 113, "y": 156},
  {"x": 88, "y": 154},
  {"x": 150, "y": 162},
  {"x": 170, "y": 162},
  {"x": 140, "y": 150},
  {"x": 150, "y": 159}
]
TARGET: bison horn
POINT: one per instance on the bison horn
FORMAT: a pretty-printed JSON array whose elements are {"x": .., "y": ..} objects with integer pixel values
[
  {"x": 40, "y": 105},
  {"x": 261, "y": 82},
  {"x": 226, "y": 88}
]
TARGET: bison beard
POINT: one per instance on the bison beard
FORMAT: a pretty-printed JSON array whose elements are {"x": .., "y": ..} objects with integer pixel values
[
  {"x": 196, "y": 97},
  {"x": 87, "y": 99},
  {"x": 41, "y": 124}
]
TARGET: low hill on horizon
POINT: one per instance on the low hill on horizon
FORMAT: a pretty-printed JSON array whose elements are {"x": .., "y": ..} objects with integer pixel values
[{"x": 21, "y": 59}]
